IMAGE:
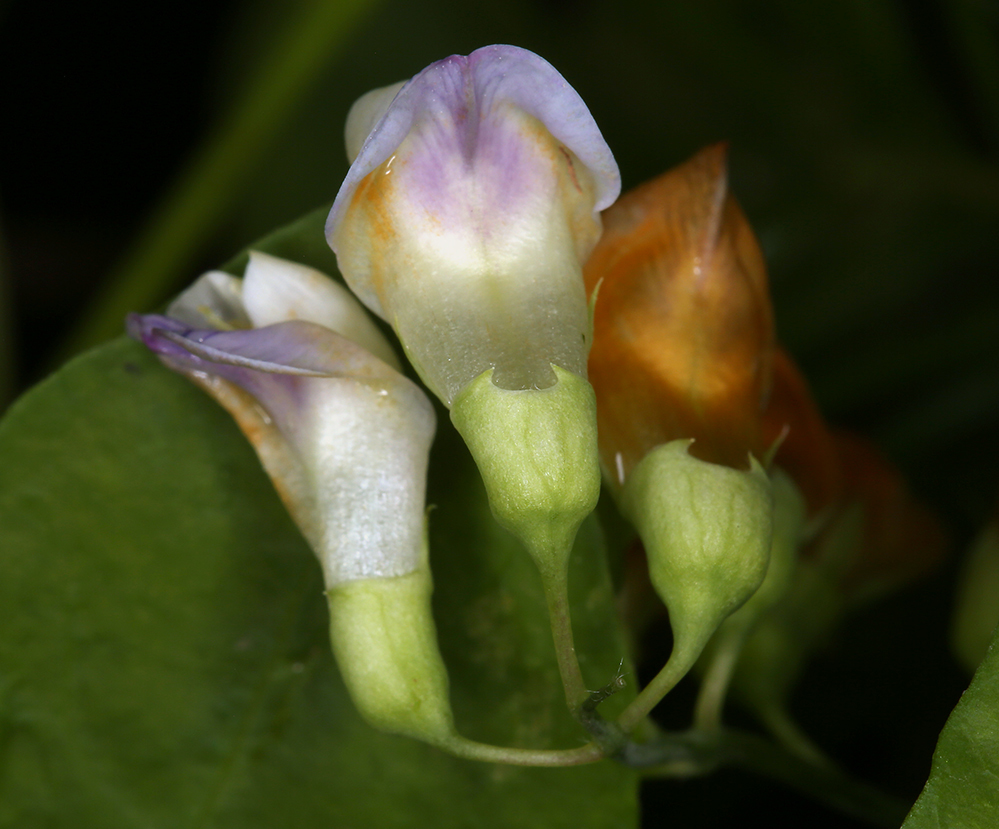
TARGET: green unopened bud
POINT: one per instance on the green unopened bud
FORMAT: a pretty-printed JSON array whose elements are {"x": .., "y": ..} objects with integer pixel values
[
  {"x": 536, "y": 450},
  {"x": 777, "y": 649},
  {"x": 789, "y": 517},
  {"x": 780, "y": 644},
  {"x": 976, "y": 611},
  {"x": 719, "y": 660},
  {"x": 384, "y": 641},
  {"x": 707, "y": 533}
]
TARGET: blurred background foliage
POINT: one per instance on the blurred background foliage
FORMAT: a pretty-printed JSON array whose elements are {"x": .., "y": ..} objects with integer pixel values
[{"x": 142, "y": 144}]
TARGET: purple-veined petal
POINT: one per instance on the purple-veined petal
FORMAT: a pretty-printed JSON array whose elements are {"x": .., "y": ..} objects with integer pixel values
[
  {"x": 473, "y": 85},
  {"x": 294, "y": 348}
]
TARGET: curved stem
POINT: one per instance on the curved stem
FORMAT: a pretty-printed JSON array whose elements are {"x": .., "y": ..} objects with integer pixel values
[
  {"x": 714, "y": 684},
  {"x": 472, "y": 750},
  {"x": 682, "y": 659},
  {"x": 789, "y": 734}
]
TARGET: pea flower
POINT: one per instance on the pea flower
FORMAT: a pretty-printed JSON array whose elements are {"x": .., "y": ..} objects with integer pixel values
[
  {"x": 683, "y": 326},
  {"x": 472, "y": 201},
  {"x": 345, "y": 438}
]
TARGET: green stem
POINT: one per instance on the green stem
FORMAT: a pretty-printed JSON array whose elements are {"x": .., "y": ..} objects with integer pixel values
[
  {"x": 699, "y": 752},
  {"x": 789, "y": 734},
  {"x": 823, "y": 782},
  {"x": 714, "y": 684},
  {"x": 198, "y": 202},
  {"x": 556, "y": 586},
  {"x": 685, "y": 653},
  {"x": 471, "y": 750}
]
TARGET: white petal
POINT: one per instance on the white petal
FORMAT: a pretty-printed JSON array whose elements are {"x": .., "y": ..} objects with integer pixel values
[
  {"x": 276, "y": 290},
  {"x": 364, "y": 114},
  {"x": 213, "y": 301},
  {"x": 366, "y": 448},
  {"x": 347, "y": 451}
]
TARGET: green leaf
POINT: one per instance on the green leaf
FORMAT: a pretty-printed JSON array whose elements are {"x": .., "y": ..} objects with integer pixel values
[
  {"x": 963, "y": 789},
  {"x": 164, "y": 658}
]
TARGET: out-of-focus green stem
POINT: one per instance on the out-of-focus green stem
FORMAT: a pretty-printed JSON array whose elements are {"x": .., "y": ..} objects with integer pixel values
[
  {"x": 197, "y": 202},
  {"x": 702, "y": 752},
  {"x": 7, "y": 378}
]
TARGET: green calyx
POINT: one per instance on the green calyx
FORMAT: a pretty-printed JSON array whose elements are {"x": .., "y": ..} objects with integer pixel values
[
  {"x": 536, "y": 450},
  {"x": 788, "y": 530},
  {"x": 385, "y": 644},
  {"x": 707, "y": 533}
]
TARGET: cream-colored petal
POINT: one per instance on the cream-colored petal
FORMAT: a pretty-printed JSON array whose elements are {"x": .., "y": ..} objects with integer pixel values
[
  {"x": 276, "y": 290},
  {"x": 365, "y": 113},
  {"x": 214, "y": 301}
]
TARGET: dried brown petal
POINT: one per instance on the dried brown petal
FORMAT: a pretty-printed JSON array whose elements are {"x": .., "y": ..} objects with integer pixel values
[{"x": 683, "y": 326}]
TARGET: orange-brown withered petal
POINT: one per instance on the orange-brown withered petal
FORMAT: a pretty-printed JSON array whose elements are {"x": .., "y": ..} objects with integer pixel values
[{"x": 683, "y": 326}]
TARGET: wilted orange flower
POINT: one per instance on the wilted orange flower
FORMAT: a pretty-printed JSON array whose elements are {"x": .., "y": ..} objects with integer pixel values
[
  {"x": 683, "y": 327},
  {"x": 901, "y": 538},
  {"x": 807, "y": 450}
]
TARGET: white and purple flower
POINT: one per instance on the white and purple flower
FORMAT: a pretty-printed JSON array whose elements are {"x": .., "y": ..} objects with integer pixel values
[
  {"x": 464, "y": 220},
  {"x": 345, "y": 438},
  {"x": 343, "y": 435}
]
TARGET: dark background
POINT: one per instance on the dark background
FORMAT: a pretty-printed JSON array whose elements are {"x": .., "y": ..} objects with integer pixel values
[{"x": 864, "y": 140}]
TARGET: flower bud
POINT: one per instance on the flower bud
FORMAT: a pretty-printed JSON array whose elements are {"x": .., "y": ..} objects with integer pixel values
[
  {"x": 464, "y": 220},
  {"x": 683, "y": 342},
  {"x": 345, "y": 438},
  {"x": 707, "y": 530},
  {"x": 723, "y": 652}
]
